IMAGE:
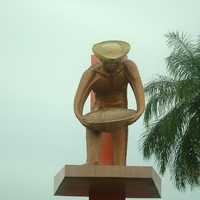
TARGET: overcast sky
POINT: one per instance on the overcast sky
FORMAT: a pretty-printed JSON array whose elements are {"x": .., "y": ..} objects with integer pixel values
[{"x": 45, "y": 46}]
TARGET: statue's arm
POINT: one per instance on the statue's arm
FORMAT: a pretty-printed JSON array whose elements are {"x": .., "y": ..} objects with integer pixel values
[
  {"x": 82, "y": 93},
  {"x": 135, "y": 81}
]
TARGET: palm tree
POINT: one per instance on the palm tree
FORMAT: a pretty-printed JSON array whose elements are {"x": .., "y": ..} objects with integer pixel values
[{"x": 172, "y": 115}]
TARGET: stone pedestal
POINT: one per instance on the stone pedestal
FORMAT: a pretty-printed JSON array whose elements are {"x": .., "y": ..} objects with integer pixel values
[{"x": 107, "y": 182}]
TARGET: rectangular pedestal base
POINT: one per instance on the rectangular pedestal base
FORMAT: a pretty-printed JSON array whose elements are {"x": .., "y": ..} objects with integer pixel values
[
  {"x": 87, "y": 180},
  {"x": 116, "y": 195}
]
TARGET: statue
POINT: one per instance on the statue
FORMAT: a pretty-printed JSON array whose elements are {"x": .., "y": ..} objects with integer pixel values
[{"x": 108, "y": 81}]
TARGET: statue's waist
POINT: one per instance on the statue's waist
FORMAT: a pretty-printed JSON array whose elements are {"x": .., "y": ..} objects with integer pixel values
[{"x": 114, "y": 100}]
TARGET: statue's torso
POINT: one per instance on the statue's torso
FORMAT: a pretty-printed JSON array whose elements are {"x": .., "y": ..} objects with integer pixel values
[{"x": 110, "y": 89}]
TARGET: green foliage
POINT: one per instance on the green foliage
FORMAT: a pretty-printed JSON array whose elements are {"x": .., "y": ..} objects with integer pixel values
[{"x": 172, "y": 115}]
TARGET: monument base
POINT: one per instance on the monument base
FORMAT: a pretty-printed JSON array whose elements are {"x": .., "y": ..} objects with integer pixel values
[{"x": 99, "y": 182}]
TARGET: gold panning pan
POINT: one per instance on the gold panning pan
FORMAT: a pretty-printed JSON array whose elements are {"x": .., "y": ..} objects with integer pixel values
[{"x": 109, "y": 118}]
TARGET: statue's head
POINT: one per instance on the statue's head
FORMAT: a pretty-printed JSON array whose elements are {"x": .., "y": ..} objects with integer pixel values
[{"x": 111, "y": 53}]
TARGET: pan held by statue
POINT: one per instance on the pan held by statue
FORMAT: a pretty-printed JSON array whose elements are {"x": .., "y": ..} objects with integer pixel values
[{"x": 107, "y": 119}]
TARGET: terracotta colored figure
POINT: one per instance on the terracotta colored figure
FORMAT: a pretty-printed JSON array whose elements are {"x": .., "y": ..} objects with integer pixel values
[{"x": 109, "y": 81}]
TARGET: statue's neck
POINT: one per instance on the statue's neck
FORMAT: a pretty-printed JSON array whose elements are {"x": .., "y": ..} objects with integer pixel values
[{"x": 116, "y": 69}]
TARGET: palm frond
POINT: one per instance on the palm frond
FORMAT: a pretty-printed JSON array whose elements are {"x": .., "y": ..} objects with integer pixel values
[
  {"x": 172, "y": 114},
  {"x": 181, "y": 62},
  {"x": 161, "y": 92},
  {"x": 180, "y": 42},
  {"x": 186, "y": 167},
  {"x": 164, "y": 92},
  {"x": 162, "y": 135}
]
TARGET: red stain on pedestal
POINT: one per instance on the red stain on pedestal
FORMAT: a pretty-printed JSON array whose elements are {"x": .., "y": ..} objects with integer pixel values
[{"x": 106, "y": 149}]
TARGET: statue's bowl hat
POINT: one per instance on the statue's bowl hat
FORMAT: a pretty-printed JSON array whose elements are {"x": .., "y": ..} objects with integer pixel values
[{"x": 111, "y": 49}]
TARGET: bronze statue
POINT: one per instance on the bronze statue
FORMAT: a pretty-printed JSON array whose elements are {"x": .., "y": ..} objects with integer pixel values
[{"x": 108, "y": 80}]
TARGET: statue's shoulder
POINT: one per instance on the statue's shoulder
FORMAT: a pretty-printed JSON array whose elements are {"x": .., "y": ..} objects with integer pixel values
[
  {"x": 98, "y": 69},
  {"x": 91, "y": 71},
  {"x": 129, "y": 64},
  {"x": 95, "y": 67},
  {"x": 88, "y": 73}
]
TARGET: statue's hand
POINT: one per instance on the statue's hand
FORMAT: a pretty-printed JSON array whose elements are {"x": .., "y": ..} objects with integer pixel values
[
  {"x": 81, "y": 119},
  {"x": 135, "y": 117},
  {"x": 85, "y": 123}
]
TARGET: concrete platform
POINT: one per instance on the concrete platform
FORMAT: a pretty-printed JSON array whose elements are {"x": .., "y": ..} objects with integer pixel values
[{"x": 81, "y": 180}]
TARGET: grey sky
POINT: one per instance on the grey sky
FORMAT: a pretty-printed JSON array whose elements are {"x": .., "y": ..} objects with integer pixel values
[{"x": 45, "y": 45}]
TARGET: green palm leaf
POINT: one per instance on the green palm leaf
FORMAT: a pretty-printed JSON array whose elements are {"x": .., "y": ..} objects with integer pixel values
[{"x": 172, "y": 114}]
